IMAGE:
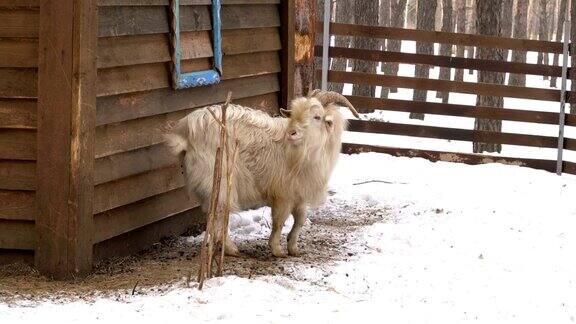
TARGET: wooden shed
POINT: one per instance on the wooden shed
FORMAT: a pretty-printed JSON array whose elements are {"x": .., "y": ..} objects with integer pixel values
[{"x": 85, "y": 94}]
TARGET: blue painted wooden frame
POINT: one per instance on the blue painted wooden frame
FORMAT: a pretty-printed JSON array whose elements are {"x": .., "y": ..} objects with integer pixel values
[{"x": 198, "y": 78}]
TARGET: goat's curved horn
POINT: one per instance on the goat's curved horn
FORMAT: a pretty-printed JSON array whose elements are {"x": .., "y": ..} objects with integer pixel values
[
  {"x": 285, "y": 112},
  {"x": 328, "y": 97}
]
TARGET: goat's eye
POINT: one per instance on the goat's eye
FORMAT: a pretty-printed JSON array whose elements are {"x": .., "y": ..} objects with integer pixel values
[{"x": 317, "y": 117}]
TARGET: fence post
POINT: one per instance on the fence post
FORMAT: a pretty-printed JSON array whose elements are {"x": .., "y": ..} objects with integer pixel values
[
  {"x": 565, "y": 53},
  {"x": 326, "y": 44}
]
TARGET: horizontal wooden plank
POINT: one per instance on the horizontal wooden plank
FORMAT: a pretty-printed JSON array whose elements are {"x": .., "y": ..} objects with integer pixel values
[
  {"x": 18, "y": 52},
  {"x": 17, "y": 144},
  {"x": 435, "y": 156},
  {"x": 17, "y": 175},
  {"x": 144, "y": 77},
  {"x": 369, "y": 104},
  {"x": 568, "y": 167},
  {"x": 137, "y": 20},
  {"x": 129, "y": 217},
  {"x": 18, "y": 235},
  {"x": 457, "y": 134},
  {"x": 18, "y": 83},
  {"x": 18, "y": 113},
  {"x": 17, "y": 205},
  {"x": 118, "y": 193},
  {"x": 267, "y": 102},
  {"x": 167, "y": 2},
  {"x": 129, "y": 163},
  {"x": 445, "y": 38},
  {"x": 19, "y": 22},
  {"x": 16, "y": 256},
  {"x": 154, "y": 48},
  {"x": 485, "y": 89},
  {"x": 19, "y": 3},
  {"x": 445, "y": 61},
  {"x": 142, "y": 132}
]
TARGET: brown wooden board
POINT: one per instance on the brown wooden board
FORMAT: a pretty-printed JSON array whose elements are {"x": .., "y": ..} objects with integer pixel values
[
  {"x": 128, "y": 190},
  {"x": 445, "y": 38},
  {"x": 18, "y": 83},
  {"x": 130, "y": 217},
  {"x": 19, "y": 4},
  {"x": 268, "y": 103},
  {"x": 445, "y": 61},
  {"x": 18, "y": 52},
  {"x": 17, "y": 235},
  {"x": 137, "y": 20},
  {"x": 16, "y": 256},
  {"x": 141, "y": 238},
  {"x": 141, "y": 49},
  {"x": 568, "y": 167},
  {"x": 17, "y": 175},
  {"x": 18, "y": 113},
  {"x": 368, "y": 104},
  {"x": 129, "y": 106},
  {"x": 17, "y": 144},
  {"x": 435, "y": 156},
  {"x": 288, "y": 52},
  {"x": 443, "y": 85},
  {"x": 18, "y": 22},
  {"x": 458, "y": 134},
  {"x": 167, "y": 2},
  {"x": 17, "y": 205},
  {"x": 144, "y": 77}
]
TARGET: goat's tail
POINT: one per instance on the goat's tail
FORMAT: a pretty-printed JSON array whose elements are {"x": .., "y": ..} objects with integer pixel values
[{"x": 177, "y": 138}]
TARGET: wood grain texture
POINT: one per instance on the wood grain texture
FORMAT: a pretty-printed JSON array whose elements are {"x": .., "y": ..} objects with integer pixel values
[
  {"x": 154, "y": 48},
  {"x": 17, "y": 144},
  {"x": 167, "y": 2},
  {"x": 137, "y": 20},
  {"x": 17, "y": 175},
  {"x": 130, "y": 217},
  {"x": 17, "y": 235},
  {"x": 18, "y": 22},
  {"x": 30, "y": 4},
  {"x": 128, "y": 190},
  {"x": 18, "y": 113},
  {"x": 16, "y": 256},
  {"x": 17, "y": 205},
  {"x": 18, "y": 83},
  {"x": 288, "y": 52},
  {"x": 18, "y": 52},
  {"x": 114, "y": 109}
]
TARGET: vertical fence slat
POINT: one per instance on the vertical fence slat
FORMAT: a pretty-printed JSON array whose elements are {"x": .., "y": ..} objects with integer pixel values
[
  {"x": 563, "y": 95},
  {"x": 326, "y": 44}
]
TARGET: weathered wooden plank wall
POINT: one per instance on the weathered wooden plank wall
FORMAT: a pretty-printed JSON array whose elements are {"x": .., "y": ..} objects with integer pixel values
[
  {"x": 18, "y": 92},
  {"x": 138, "y": 186}
]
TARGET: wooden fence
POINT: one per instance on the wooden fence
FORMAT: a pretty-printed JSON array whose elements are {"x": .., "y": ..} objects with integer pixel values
[{"x": 369, "y": 104}]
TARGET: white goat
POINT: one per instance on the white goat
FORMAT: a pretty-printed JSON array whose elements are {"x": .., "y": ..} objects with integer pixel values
[{"x": 284, "y": 163}]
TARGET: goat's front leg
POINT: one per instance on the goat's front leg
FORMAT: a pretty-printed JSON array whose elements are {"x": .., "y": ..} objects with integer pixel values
[
  {"x": 299, "y": 214},
  {"x": 280, "y": 212}
]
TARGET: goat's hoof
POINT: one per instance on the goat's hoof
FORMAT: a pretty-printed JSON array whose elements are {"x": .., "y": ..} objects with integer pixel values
[
  {"x": 279, "y": 254},
  {"x": 294, "y": 252}
]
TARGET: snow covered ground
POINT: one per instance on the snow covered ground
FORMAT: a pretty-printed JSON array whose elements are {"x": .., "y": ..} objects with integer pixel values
[{"x": 488, "y": 244}]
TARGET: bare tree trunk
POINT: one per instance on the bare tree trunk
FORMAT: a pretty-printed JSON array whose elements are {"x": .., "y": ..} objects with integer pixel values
[
  {"x": 573, "y": 58},
  {"x": 365, "y": 13},
  {"x": 488, "y": 23},
  {"x": 446, "y": 49},
  {"x": 520, "y": 30},
  {"x": 398, "y": 15},
  {"x": 343, "y": 15},
  {"x": 425, "y": 21},
  {"x": 461, "y": 29},
  {"x": 411, "y": 14},
  {"x": 542, "y": 31},
  {"x": 384, "y": 21},
  {"x": 471, "y": 28},
  {"x": 559, "y": 29},
  {"x": 507, "y": 17},
  {"x": 304, "y": 43}
]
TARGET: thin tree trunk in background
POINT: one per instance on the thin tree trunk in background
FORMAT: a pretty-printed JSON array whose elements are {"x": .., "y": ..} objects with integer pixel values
[
  {"x": 304, "y": 73},
  {"x": 446, "y": 49},
  {"x": 573, "y": 58},
  {"x": 365, "y": 13},
  {"x": 384, "y": 21},
  {"x": 488, "y": 23},
  {"x": 470, "y": 28},
  {"x": 424, "y": 21},
  {"x": 411, "y": 14},
  {"x": 343, "y": 15},
  {"x": 461, "y": 29},
  {"x": 507, "y": 17},
  {"x": 542, "y": 31},
  {"x": 398, "y": 14},
  {"x": 520, "y": 31},
  {"x": 559, "y": 28},
  {"x": 553, "y": 16}
]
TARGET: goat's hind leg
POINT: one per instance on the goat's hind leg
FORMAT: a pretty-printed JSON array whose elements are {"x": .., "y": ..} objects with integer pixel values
[
  {"x": 280, "y": 212},
  {"x": 299, "y": 214}
]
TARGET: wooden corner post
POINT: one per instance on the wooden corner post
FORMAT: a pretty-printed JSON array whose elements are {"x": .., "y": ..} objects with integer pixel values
[
  {"x": 66, "y": 128},
  {"x": 288, "y": 32},
  {"x": 304, "y": 41}
]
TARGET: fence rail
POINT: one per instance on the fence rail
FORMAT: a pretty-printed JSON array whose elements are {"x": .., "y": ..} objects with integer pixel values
[{"x": 369, "y": 104}]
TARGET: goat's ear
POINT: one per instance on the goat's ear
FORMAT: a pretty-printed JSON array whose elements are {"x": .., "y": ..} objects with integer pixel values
[{"x": 285, "y": 112}]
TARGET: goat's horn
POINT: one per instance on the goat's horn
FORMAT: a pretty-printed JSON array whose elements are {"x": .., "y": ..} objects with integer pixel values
[
  {"x": 285, "y": 112},
  {"x": 328, "y": 97}
]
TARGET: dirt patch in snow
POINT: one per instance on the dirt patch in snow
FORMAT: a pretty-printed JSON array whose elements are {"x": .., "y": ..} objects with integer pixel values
[{"x": 331, "y": 236}]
